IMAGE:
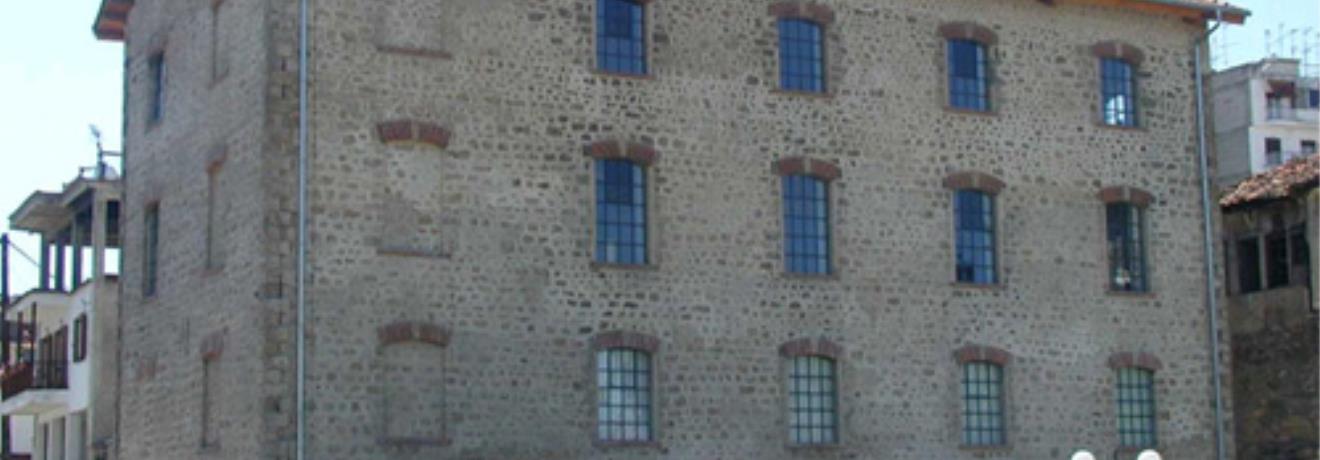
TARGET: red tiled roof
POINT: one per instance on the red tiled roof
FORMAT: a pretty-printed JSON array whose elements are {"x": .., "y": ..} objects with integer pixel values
[{"x": 1281, "y": 182}]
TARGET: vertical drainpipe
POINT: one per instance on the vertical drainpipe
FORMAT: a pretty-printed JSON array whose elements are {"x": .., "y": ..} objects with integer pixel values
[
  {"x": 301, "y": 289},
  {"x": 1212, "y": 296}
]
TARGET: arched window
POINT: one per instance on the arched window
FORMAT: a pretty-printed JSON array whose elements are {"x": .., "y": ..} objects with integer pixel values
[
  {"x": 806, "y": 224},
  {"x": 1118, "y": 89},
  {"x": 983, "y": 404},
  {"x": 1136, "y": 407},
  {"x": 623, "y": 401},
  {"x": 969, "y": 75},
  {"x": 1126, "y": 246},
  {"x": 813, "y": 401},
  {"x": 801, "y": 55},
  {"x": 621, "y": 228},
  {"x": 974, "y": 215},
  {"x": 621, "y": 36}
]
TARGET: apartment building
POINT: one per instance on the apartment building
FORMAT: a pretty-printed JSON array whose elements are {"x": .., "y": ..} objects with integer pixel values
[
  {"x": 1265, "y": 113},
  {"x": 60, "y": 374},
  {"x": 689, "y": 229}
]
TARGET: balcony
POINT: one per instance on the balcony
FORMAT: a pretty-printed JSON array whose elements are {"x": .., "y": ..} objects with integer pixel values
[
  {"x": 1291, "y": 115},
  {"x": 30, "y": 390}
]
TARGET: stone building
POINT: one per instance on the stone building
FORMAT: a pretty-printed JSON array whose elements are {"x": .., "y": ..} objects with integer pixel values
[
  {"x": 1270, "y": 231},
  {"x": 567, "y": 229}
]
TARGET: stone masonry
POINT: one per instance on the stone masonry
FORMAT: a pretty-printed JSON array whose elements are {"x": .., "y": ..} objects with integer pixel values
[{"x": 452, "y": 245}]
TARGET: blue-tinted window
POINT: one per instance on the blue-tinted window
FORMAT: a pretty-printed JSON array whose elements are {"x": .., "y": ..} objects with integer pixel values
[
  {"x": 801, "y": 56},
  {"x": 156, "y": 69},
  {"x": 623, "y": 395},
  {"x": 813, "y": 401},
  {"x": 969, "y": 79},
  {"x": 974, "y": 212},
  {"x": 620, "y": 212},
  {"x": 806, "y": 225},
  {"x": 1127, "y": 247},
  {"x": 1314, "y": 97},
  {"x": 1136, "y": 408},
  {"x": 621, "y": 36},
  {"x": 983, "y": 404},
  {"x": 1118, "y": 92}
]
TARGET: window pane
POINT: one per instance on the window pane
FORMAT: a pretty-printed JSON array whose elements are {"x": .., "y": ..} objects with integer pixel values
[
  {"x": 806, "y": 225},
  {"x": 623, "y": 410},
  {"x": 620, "y": 212},
  {"x": 974, "y": 216},
  {"x": 1136, "y": 408},
  {"x": 983, "y": 415},
  {"x": 620, "y": 36},
  {"x": 1248, "y": 263},
  {"x": 812, "y": 395},
  {"x": 968, "y": 77},
  {"x": 1276, "y": 260},
  {"x": 1118, "y": 93},
  {"x": 1126, "y": 247},
  {"x": 801, "y": 56}
]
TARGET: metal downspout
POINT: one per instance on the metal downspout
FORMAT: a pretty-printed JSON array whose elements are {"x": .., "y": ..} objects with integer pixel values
[
  {"x": 301, "y": 294},
  {"x": 1212, "y": 296}
]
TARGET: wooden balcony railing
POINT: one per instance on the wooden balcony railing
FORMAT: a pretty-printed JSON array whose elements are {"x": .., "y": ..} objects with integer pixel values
[{"x": 22, "y": 377}]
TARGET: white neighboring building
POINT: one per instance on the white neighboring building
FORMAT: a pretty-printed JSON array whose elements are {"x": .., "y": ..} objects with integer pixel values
[
  {"x": 61, "y": 375},
  {"x": 1265, "y": 113}
]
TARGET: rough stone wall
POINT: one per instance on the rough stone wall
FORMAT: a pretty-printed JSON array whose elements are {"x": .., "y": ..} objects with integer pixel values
[
  {"x": 501, "y": 220},
  {"x": 221, "y": 105},
  {"x": 1275, "y": 364}
]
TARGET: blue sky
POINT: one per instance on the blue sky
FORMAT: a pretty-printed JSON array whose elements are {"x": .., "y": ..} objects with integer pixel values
[{"x": 56, "y": 80}]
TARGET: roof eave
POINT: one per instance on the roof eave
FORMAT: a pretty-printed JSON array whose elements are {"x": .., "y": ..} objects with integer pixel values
[{"x": 111, "y": 19}]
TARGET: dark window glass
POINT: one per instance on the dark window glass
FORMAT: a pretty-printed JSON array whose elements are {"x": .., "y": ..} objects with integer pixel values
[
  {"x": 813, "y": 400},
  {"x": 620, "y": 212},
  {"x": 151, "y": 246},
  {"x": 1308, "y": 147},
  {"x": 1136, "y": 407},
  {"x": 975, "y": 215},
  {"x": 80, "y": 338},
  {"x": 1276, "y": 260},
  {"x": 1276, "y": 106},
  {"x": 1273, "y": 151},
  {"x": 623, "y": 400},
  {"x": 806, "y": 225},
  {"x": 983, "y": 404},
  {"x": 1118, "y": 92},
  {"x": 1315, "y": 97},
  {"x": 621, "y": 36},
  {"x": 969, "y": 80},
  {"x": 156, "y": 69},
  {"x": 1301, "y": 254},
  {"x": 801, "y": 56},
  {"x": 1248, "y": 263},
  {"x": 1127, "y": 247}
]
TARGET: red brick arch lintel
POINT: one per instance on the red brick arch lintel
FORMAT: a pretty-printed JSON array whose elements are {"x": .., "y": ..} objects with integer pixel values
[
  {"x": 983, "y": 353},
  {"x": 814, "y": 12},
  {"x": 409, "y": 130},
  {"x": 1140, "y": 360},
  {"x": 412, "y": 331},
  {"x": 811, "y": 347}
]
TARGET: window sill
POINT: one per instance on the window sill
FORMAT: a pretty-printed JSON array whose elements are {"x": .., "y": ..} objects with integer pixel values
[
  {"x": 605, "y": 266},
  {"x": 963, "y": 111},
  {"x": 831, "y": 447},
  {"x": 410, "y": 253},
  {"x": 623, "y": 76},
  {"x": 1134, "y": 129},
  {"x": 1130, "y": 294},
  {"x": 978, "y": 286},
  {"x": 602, "y": 444},
  {"x": 821, "y": 95},
  {"x": 832, "y": 276},
  {"x": 989, "y": 448},
  {"x": 414, "y": 442}
]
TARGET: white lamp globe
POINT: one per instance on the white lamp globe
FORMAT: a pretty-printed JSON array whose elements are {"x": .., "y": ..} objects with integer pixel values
[
  {"x": 1149, "y": 454},
  {"x": 1083, "y": 455}
]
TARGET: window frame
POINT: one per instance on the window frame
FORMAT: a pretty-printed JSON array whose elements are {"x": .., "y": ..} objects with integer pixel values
[
  {"x": 600, "y": 357},
  {"x": 1151, "y": 420},
  {"x": 1000, "y": 381},
  {"x": 1133, "y": 93},
  {"x": 151, "y": 250},
  {"x": 157, "y": 78},
  {"x": 994, "y": 236},
  {"x": 818, "y": 84},
  {"x": 648, "y": 202},
  {"x": 644, "y": 38},
  {"x": 791, "y": 406},
  {"x": 1273, "y": 151},
  {"x": 785, "y": 240},
  {"x": 1142, "y": 253},
  {"x": 80, "y": 335},
  {"x": 983, "y": 62},
  {"x": 1250, "y": 277}
]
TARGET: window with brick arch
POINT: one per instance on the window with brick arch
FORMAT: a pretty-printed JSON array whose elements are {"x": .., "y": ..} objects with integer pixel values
[
  {"x": 969, "y": 76},
  {"x": 1136, "y": 407},
  {"x": 813, "y": 401},
  {"x": 974, "y": 215},
  {"x": 806, "y": 225},
  {"x": 621, "y": 36},
  {"x": 1126, "y": 236},
  {"x": 623, "y": 401},
  {"x": 1118, "y": 92},
  {"x": 983, "y": 404},
  {"x": 801, "y": 56},
  {"x": 621, "y": 213}
]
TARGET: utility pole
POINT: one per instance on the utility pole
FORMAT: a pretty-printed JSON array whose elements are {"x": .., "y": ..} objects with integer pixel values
[{"x": 4, "y": 334}]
